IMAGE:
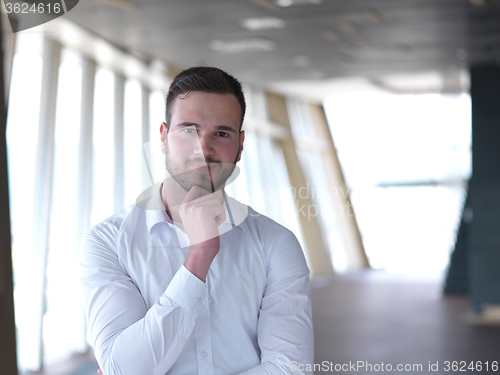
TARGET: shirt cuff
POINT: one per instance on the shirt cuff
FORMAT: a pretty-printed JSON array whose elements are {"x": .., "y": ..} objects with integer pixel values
[{"x": 186, "y": 291}]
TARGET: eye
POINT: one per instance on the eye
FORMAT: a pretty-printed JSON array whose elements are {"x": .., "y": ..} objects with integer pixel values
[
  {"x": 222, "y": 134},
  {"x": 189, "y": 130}
]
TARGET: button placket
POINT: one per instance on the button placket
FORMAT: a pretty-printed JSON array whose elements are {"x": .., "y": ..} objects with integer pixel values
[{"x": 202, "y": 332}]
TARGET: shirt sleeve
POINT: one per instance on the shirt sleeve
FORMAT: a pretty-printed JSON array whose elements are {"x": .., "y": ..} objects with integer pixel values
[
  {"x": 285, "y": 330},
  {"x": 127, "y": 337}
]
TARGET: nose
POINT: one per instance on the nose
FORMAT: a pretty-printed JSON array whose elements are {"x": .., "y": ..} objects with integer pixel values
[{"x": 204, "y": 146}]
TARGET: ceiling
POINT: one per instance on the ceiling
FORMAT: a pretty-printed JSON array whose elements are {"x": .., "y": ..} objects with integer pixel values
[{"x": 314, "y": 40}]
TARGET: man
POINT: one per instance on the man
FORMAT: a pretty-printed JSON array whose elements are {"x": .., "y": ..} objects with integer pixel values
[{"x": 188, "y": 280}]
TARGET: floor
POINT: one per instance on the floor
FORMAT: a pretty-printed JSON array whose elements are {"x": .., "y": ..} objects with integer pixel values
[
  {"x": 84, "y": 364},
  {"x": 373, "y": 322},
  {"x": 376, "y": 319}
]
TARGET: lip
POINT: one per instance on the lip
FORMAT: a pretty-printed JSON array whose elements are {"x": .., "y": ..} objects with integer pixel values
[{"x": 200, "y": 167}]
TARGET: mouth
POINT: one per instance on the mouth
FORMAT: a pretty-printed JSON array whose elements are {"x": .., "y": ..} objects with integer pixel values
[{"x": 203, "y": 167}]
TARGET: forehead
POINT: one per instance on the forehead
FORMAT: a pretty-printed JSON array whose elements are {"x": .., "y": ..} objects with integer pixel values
[{"x": 202, "y": 106}]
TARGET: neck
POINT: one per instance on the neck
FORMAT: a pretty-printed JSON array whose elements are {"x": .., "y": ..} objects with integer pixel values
[{"x": 172, "y": 195}]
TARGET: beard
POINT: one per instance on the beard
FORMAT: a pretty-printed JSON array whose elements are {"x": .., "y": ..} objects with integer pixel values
[{"x": 187, "y": 177}]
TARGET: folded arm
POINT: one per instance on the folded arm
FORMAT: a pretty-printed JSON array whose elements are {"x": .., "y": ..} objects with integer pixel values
[
  {"x": 127, "y": 337},
  {"x": 285, "y": 331}
]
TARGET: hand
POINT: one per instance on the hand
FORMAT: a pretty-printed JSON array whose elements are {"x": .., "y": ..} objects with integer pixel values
[
  {"x": 99, "y": 372},
  {"x": 201, "y": 213}
]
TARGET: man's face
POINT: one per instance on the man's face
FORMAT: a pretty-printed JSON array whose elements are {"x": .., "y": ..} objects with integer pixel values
[{"x": 204, "y": 142}]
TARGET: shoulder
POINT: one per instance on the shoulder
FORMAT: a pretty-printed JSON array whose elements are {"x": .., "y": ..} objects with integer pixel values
[
  {"x": 105, "y": 235},
  {"x": 277, "y": 241},
  {"x": 110, "y": 226},
  {"x": 283, "y": 250},
  {"x": 267, "y": 228},
  {"x": 102, "y": 247}
]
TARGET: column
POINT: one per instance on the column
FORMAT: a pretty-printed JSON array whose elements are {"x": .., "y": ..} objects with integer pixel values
[
  {"x": 85, "y": 158},
  {"x": 119, "y": 168},
  {"x": 318, "y": 255},
  {"x": 484, "y": 187},
  {"x": 348, "y": 227},
  {"x": 42, "y": 199},
  {"x": 145, "y": 129},
  {"x": 8, "y": 358}
]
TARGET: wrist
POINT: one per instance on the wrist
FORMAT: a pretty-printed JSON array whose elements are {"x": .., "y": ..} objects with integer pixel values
[{"x": 199, "y": 259}]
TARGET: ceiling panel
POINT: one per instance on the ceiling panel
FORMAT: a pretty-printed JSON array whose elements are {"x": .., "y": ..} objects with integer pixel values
[{"x": 336, "y": 38}]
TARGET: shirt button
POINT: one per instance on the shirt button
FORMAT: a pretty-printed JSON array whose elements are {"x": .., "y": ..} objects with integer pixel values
[
  {"x": 181, "y": 340},
  {"x": 204, "y": 353},
  {"x": 199, "y": 299}
]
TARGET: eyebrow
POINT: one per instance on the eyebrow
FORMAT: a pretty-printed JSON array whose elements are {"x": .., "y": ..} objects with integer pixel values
[
  {"x": 218, "y": 127},
  {"x": 225, "y": 128}
]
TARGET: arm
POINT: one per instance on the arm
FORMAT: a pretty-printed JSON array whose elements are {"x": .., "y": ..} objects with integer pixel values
[
  {"x": 128, "y": 338},
  {"x": 285, "y": 332}
]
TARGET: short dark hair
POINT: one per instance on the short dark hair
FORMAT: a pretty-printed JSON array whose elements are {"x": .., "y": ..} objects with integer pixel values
[{"x": 204, "y": 79}]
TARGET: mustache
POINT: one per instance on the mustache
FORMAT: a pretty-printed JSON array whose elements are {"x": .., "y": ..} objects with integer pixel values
[{"x": 208, "y": 160}]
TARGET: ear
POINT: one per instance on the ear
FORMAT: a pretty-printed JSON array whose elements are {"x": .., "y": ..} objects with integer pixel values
[
  {"x": 242, "y": 139},
  {"x": 163, "y": 137}
]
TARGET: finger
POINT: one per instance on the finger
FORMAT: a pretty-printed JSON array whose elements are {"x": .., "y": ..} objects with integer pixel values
[
  {"x": 195, "y": 192},
  {"x": 219, "y": 213},
  {"x": 210, "y": 209},
  {"x": 99, "y": 372},
  {"x": 219, "y": 219},
  {"x": 200, "y": 194},
  {"x": 205, "y": 201}
]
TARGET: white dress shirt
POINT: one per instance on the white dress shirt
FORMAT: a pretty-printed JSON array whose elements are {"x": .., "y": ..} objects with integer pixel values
[{"x": 147, "y": 314}]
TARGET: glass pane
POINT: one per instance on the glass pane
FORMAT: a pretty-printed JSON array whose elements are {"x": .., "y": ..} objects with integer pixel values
[
  {"x": 155, "y": 158},
  {"x": 103, "y": 147},
  {"x": 401, "y": 138},
  {"x": 409, "y": 230},
  {"x": 321, "y": 207},
  {"x": 282, "y": 197},
  {"x": 22, "y": 133},
  {"x": 133, "y": 142},
  {"x": 63, "y": 327},
  {"x": 263, "y": 181},
  {"x": 407, "y": 159}
]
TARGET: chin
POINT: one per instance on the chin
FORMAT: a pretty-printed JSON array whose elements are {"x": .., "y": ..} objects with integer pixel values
[{"x": 205, "y": 184}]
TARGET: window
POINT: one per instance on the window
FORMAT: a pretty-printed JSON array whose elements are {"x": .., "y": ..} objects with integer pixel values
[
  {"x": 103, "y": 147},
  {"x": 22, "y": 134},
  {"x": 406, "y": 159},
  {"x": 133, "y": 156},
  {"x": 64, "y": 320}
]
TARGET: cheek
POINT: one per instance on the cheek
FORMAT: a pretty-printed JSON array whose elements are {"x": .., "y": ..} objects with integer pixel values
[
  {"x": 230, "y": 152},
  {"x": 178, "y": 150}
]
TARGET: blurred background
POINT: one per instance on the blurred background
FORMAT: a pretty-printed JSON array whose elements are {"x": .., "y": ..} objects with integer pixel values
[{"x": 372, "y": 132}]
